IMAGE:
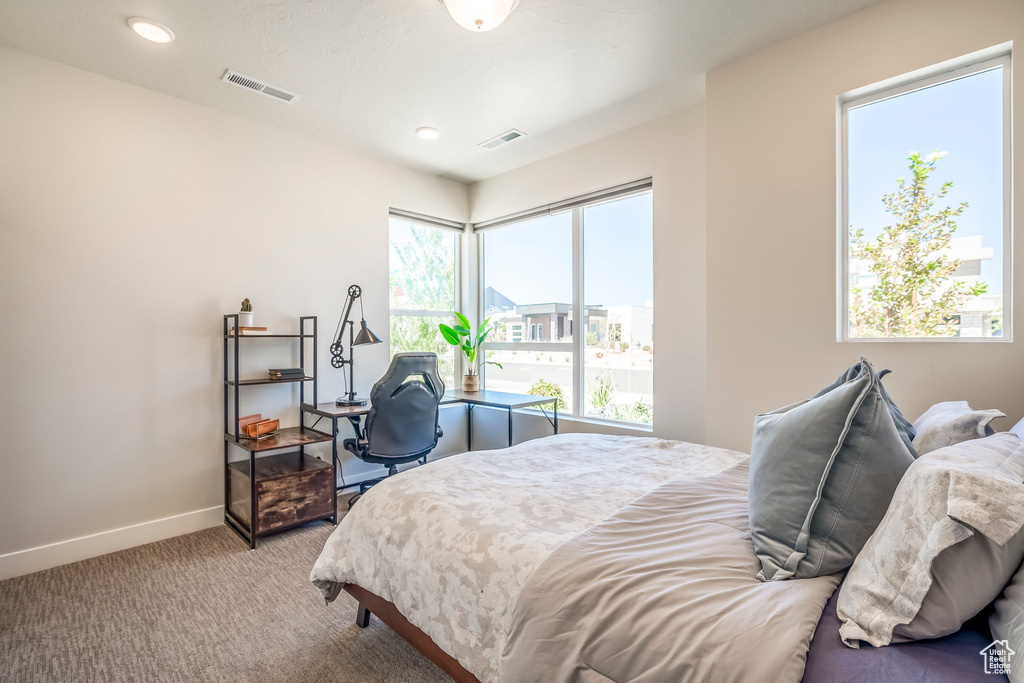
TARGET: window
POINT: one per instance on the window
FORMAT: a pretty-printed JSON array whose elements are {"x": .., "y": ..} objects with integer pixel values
[
  {"x": 589, "y": 258},
  {"x": 925, "y": 229},
  {"x": 618, "y": 305},
  {"x": 423, "y": 264}
]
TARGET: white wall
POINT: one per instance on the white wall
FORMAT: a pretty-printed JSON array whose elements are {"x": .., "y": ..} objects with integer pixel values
[
  {"x": 671, "y": 150},
  {"x": 129, "y": 223},
  {"x": 771, "y": 201}
]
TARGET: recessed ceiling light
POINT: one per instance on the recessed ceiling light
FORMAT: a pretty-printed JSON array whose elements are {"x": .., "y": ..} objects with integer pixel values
[
  {"x": 150, "y": 30},
  {"x": 428, "y": 133}
]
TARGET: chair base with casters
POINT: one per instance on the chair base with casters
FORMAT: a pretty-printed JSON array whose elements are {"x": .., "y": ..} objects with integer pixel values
[{"x": 402, "y": 424}]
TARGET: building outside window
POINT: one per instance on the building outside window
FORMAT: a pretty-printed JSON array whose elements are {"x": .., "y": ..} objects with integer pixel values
[
  {"x": 593, "y": 260},
  {"x": 424, "y": 264},
  {"x": 925, "y": 226}
]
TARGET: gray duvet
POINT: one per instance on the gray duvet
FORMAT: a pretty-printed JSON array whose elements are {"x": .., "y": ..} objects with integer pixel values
[{"x": 665, "y": 590}]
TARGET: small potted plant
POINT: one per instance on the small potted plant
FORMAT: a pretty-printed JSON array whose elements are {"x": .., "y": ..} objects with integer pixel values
[
  {"x": 462, "y": 335},
  {"x": 245, "y": 315}
]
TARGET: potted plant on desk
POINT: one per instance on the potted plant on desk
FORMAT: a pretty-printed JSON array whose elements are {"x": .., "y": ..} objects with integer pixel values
[{"x": 461, "y": 335}]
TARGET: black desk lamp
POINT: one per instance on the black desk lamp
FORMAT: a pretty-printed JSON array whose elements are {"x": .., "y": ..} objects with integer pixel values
[{"x": 365, "y": 336}]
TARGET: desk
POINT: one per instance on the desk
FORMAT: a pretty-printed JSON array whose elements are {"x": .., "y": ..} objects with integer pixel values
[
  {"x": 488, "y": 399},
  {"x": 500, "y": 399}
]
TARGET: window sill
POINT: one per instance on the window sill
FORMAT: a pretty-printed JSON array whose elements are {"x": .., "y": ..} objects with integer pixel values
[
  {"x": 926, "y": 340},
  {"x": 639, "y": 428}
]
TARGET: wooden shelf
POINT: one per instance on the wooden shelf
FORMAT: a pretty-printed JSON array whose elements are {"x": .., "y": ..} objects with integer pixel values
[
  {"x": 270, "y": 336},
  {"x": 266, "y": 380},
  {"x": 289, "y": 437}
]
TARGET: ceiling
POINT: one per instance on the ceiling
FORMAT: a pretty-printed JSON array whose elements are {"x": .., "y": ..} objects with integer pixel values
[{"x": 371, "y": 71}]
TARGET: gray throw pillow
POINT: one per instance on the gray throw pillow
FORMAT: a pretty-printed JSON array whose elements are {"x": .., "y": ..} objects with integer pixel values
[
  {"x": 907, "y": 430},
  {"x": 952, "y": 422},
  {"x": 822, "y": 473}
]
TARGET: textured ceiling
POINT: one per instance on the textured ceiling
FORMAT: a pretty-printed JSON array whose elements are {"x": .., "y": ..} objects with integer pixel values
[{"x": 371, "y": 71}]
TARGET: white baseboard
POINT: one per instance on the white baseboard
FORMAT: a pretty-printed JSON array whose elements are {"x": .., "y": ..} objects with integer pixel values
[{"x": 82, "y": 548}]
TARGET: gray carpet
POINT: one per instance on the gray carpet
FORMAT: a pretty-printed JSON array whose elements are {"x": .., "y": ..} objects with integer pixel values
[{"x": 199, "y": 607}]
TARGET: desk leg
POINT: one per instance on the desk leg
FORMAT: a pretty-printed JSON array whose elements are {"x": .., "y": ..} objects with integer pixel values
[
  {"x": 334, "y": 464},
  {"x": 510, "y": 428},
  {"x": 555, "y": 411},
  {"x": 469, "y": 426}
]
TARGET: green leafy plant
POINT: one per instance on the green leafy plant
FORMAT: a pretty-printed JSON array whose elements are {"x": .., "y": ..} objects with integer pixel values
[
  {"x": 635, "y": 412},
  {"x": 542, "y": 387},
  {"x": 462, "y": 335},
  {"x": 246, "y": 306},
  {"x": 601, "y": 392}
]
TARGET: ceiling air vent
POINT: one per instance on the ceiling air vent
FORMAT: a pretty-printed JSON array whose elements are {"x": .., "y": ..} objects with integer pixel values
[
  {"x": 502, "y": 139},
  {"x": 241, "y": 81}
]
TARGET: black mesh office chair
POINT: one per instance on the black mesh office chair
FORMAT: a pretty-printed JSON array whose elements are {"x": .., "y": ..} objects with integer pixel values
[{"x": 402, "y": 423}]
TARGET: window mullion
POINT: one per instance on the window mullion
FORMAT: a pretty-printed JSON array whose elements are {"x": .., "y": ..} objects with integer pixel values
[{"x": 578, "y": 336}]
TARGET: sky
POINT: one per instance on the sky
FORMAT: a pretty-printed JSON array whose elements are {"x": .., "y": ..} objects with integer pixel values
[
  {"x": 963, "y": 118},
  {"x": 531, "y": 262}
]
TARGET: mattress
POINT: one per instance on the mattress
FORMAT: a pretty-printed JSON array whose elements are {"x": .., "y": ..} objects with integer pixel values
[{"x": 451, "y": 544}]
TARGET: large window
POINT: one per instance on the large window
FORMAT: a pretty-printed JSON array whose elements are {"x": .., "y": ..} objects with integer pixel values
[
  {"x": 926, "y": 207},
  {"x": 588, "y": 260},
  {"x": 424, "y": 265}
]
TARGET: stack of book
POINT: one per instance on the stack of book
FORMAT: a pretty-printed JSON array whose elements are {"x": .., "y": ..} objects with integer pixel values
[
  {"x": 251, "y": 331},
  {"x": 287, "y": 373}
]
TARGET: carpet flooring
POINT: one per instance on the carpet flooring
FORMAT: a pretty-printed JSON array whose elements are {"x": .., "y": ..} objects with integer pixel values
[{"x": 199, "y": 607}]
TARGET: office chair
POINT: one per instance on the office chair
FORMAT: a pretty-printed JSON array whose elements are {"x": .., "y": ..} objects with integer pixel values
[{"x": 401, "y": 425}]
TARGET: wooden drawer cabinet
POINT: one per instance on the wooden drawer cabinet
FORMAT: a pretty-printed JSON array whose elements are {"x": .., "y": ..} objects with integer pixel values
[{"x": 291, "y": 489}]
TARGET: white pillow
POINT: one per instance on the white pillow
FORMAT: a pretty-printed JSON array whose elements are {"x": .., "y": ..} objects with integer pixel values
[
  {"x": 951, "y": 422},
  {"x": 948, "y": 544}
]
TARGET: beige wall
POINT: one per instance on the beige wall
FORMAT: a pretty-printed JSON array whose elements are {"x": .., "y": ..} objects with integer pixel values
[
  {"x": 771, "y": 202},
  {"x": 671, "y": 150},
  {"x": 129, "y": 223}
]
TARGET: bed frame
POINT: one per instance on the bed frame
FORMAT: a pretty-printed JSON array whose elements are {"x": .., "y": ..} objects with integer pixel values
[{"x": 389, "y": 614}]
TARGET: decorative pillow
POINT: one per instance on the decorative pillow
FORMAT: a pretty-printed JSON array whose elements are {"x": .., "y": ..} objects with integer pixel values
[
  {"x": 903, "y": 426},
  {"x": 950, "y": 540},
  {"x": 1007, "y": 623},
  {"x": 952, "y": 422},
  {"x": 822, "y": 473}
]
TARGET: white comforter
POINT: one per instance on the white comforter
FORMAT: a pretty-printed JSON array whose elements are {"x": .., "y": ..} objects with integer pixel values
[{"x": 451, "y": 544}]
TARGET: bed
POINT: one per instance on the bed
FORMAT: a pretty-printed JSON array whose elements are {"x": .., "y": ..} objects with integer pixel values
[{"x": 643, "y": 541}]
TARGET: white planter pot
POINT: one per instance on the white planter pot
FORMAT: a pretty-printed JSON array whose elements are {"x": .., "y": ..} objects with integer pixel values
[{"x": 245, "y": 318}]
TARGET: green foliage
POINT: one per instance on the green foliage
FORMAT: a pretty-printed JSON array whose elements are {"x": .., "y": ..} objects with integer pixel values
[
  {"x": 419, "y": 333},
  {"x": 423, "y": 278},
  {"x": 246, "y": 306},
  {"x": 600, "y": 392},
  {"x": 462, "y": 335},
  {"x": 915, "y": 294},
  {"x": 591, "y": 339},
  {"x": 542, "y": 387},
  {"x": 635, "y": 412}
]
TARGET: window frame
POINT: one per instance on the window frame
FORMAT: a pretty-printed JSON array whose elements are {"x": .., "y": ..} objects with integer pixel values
[
  {"x": 576, "y": 205},
  {"x": 969, "y": 65},
  {"x": 437, "y": 224}
]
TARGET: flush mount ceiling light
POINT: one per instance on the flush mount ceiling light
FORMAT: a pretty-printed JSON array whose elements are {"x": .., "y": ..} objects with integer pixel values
[
  {"x": 428, "y": 133},
  {"x": 150, "y": 30},
  {"x": 479, "y": 15}
]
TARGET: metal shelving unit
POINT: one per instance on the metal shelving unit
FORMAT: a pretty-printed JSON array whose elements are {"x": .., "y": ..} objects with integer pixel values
[{"x": 276, "y": 469}]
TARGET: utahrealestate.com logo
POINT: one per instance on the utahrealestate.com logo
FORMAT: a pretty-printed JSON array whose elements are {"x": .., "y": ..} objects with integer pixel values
[{"x": 997, "y": 657}]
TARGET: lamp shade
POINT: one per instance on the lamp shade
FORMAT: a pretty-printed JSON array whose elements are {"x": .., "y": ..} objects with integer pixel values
[
  {"x": 479, "y": 15},
  {"x": 364, "y": 336}
]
